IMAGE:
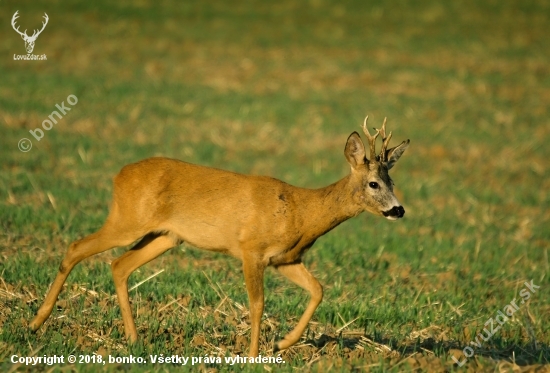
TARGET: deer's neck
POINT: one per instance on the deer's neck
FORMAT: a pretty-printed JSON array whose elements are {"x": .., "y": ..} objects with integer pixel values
[{"x": 329, "y": 206}]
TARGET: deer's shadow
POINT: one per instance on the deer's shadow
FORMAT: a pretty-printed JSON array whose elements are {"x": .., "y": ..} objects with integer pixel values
[{"x": 521, "y": 354}]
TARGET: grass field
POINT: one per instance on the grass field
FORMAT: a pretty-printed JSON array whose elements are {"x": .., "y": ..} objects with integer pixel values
[{"x": 275, "y": 89}]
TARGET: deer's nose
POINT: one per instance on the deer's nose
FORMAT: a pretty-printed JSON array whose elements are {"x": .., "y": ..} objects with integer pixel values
[{"x": 395, "y": 211}]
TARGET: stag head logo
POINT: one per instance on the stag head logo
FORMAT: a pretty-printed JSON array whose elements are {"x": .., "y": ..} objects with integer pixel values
[{"x": 29, "y": 40}]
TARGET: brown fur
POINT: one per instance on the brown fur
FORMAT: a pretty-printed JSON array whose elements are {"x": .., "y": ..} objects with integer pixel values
[{"x": 260, "y": 220}]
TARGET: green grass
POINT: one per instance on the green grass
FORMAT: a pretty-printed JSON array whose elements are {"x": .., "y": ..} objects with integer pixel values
[{"x": 275, "y": 89}]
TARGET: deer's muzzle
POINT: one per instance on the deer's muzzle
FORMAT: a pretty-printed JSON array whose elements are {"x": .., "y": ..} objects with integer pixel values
[{"x": 395, "y": 212}]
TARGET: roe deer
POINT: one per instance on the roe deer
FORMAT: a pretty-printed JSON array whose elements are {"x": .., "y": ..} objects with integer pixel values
[{"x": 260, "y": 220}]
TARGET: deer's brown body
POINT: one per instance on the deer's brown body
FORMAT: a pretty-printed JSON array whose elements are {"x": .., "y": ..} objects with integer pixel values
[
  {"x": 229, "y": 211},
  {"x": 260, "y": 220}
]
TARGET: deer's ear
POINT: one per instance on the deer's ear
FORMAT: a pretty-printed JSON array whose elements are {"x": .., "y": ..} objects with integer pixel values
[
  {"x": 355, "y": 150},
  {"x": 393, "y": 154}
]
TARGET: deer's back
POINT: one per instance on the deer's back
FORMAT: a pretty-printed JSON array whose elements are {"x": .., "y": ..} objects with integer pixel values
[{"x": 209, "y": 208}]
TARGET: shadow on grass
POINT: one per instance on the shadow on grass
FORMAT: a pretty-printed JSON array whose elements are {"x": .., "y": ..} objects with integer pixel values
[{"x": 523, "y": 354}]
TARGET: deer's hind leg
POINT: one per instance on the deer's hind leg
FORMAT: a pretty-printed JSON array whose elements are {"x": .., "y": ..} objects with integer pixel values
[
  {"x": 109, "y": 236},
  {"x": 119, "y": 230},
  {"x": 150, "y": 247}
]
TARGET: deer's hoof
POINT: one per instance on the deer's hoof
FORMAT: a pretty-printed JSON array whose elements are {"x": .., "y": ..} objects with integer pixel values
[{"x": 34, "y": 325}]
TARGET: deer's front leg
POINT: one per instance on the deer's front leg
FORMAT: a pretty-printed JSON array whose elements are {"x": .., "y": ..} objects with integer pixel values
[
  {"x": 254, "y": 278},
  {"x": 298, "y": 274}
]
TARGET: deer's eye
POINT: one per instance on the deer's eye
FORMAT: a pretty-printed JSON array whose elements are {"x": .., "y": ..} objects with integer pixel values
[{"x": 373, "y": 185}]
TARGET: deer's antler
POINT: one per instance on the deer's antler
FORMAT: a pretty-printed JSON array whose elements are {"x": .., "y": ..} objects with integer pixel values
[
  {"x": 24, "y": 34},
  {"x": 385, "y": 141},
  {"x": 43, "y": 27},
  {"x": 13, "y": 20},
  {"x": 372, "y": 140}
]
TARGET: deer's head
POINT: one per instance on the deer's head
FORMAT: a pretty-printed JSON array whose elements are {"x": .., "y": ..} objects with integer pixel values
[
  {"x": 29, "y": 40},
  {"x": 373, "y": 187}
]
